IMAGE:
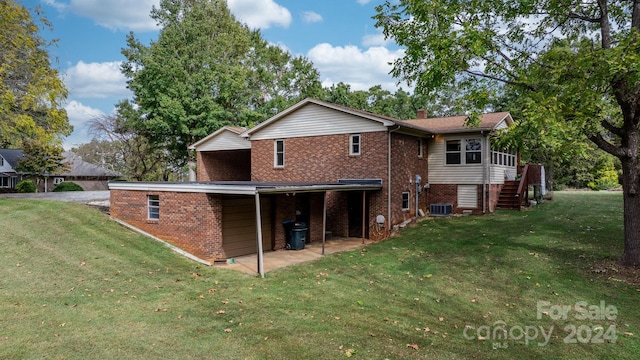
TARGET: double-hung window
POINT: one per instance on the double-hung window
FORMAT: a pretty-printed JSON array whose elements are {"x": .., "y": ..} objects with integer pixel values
[
  {"x": 355, "y": 145},
  {"x": 153, "y": 207},
  {"x": 420, "y": 150},
  {"x": 278, "y": 153},
  {"x": 473, "y": 151},
  {"x": 453, "y": 152}
]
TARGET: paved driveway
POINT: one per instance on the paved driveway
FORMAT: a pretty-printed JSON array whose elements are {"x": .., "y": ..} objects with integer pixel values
[{"x": 88, "y": 197}]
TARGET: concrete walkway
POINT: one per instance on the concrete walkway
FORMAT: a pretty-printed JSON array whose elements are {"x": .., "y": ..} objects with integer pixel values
[{"x": 281, "y": 258}]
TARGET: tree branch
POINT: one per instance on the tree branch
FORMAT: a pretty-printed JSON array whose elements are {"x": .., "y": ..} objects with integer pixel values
[
  {"x": 603, "y": 144},
  {"x": 504, "y": 81},
  {"x": 573, "y": 15},
  {"x": 612, "y": 128}
]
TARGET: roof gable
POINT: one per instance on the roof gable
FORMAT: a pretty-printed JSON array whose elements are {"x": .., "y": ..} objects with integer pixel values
[
  {"x": 311, "y": 117},
  {"x": 79, "y": 167},
  {"x": 225, "y": 138},
  {"x": 456, "y": 124},
  {"x": 12, "y": 156}
]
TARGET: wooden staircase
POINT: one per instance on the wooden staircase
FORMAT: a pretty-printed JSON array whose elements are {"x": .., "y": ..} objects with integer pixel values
[{"x": 509, "y": 198}]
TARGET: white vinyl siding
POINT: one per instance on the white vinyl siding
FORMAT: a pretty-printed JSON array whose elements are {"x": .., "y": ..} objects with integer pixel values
[
  {"x": 315, "y": 120},
  {"x": 225, "y": 140},
  {"x": 468, "y": 196},
  {"x": 441, "y": 173}
]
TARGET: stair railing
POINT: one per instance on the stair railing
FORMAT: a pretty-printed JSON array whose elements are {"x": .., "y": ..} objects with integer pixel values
[{"x": 523, "y": 186}]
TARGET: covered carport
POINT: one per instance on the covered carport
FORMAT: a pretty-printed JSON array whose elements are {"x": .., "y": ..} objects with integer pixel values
[{"x": 237, "y": 202}]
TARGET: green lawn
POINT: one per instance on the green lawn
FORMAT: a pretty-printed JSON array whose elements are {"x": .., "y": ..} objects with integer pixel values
[{"x": 74, "y": 284}]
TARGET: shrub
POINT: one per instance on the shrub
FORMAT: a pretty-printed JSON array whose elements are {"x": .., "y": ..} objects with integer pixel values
[
  {"x": 26, "y": 186},
  {"x": 68, "y": 186},
  {"x": 607, "y": 179}
]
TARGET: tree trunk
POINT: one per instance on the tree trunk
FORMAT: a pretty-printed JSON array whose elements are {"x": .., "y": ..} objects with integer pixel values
[{"x": 630, "y": 176}]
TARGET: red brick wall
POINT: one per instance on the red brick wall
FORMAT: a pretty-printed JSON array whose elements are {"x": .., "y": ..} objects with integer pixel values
[
  {"x": 232, "y": 165},
  {"x": 193, "y": 223},
  {"x": 405, "y": 165},
  {"x": 327, "y": 159},
  {"x": 443, "y": 194},
  {"x": 448, "y": 194}
]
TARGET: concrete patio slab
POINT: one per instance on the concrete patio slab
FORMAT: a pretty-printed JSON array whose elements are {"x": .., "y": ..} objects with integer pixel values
[{"x": 281, "y": 258}]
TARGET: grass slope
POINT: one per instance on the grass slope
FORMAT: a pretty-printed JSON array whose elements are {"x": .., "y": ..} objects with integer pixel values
[{"x": 74, "y": 284}]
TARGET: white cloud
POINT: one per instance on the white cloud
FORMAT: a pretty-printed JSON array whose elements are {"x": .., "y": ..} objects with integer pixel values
[
  {"x": 96, "y": 80},
  {"x": 79, "y": 116},
  {"x": 363, "y": 2},
  {"x": 113, "y": 14},
  {"x": 260, "y": 14},
  {"x": 353, "y": 66},
  {"x": 374, "y": 40},
  {"x": 311, "y": 17}
]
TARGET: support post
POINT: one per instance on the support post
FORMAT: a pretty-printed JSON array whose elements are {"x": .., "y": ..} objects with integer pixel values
[
  {"x": 364, "y": 210},
  {"x": 324, "y": 222},
  {"x": 259, "y": 236}
]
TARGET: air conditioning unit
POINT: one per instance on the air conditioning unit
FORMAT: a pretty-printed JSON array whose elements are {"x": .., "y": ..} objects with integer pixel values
[{"x": 440, "y": 209}]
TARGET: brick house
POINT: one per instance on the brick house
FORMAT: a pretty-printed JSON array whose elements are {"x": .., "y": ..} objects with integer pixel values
[{"x": 344, "y": 172}]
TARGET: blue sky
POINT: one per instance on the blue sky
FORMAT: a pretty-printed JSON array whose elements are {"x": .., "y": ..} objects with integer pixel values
[{"x": 338, "y": 36}]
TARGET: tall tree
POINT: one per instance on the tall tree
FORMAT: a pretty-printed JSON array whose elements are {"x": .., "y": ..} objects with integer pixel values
[
  {"x": 127, "y": 151},
  {"x": 207, "y": 70},
  {"x": 577, "y": 63},
  {"x": 31, "y": 92}
]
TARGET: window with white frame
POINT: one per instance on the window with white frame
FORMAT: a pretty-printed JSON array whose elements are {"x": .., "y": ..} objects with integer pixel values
[
  {"x": 58, "y": 180},
  {"x": 453, "y": 152},
  {"x": 355, "y": 145},
  {"x": 278, "y": 153},
  {"x": 420, "y": 151},
  {"x": 153, "y": 207},
  {"x": 405, "y": 200},
  {"x": 473, "y": 151},
  {"x": 4, "y": 182},
  {"x": 1, "y": 161},
  {"x": 463, "y": 151}
]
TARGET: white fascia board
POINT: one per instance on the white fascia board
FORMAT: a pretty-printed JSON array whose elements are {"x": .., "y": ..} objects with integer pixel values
[{"x": 188, "y": 187}]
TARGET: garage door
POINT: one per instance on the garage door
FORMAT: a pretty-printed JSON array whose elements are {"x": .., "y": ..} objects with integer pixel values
[{"x": 239, "y": 226}]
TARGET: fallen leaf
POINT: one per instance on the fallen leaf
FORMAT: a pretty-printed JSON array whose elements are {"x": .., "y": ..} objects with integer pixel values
[
  {"x": 628, "y": 333},
  {"x": 413, "y": 346},
  {"x": 441, "y": 319},
  {"x": 220, "y": 312},
  {"x": 161, "y": 310},
  {"x": 227, "y": 330}
]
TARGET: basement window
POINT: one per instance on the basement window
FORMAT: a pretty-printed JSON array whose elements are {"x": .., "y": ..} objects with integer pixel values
[
  {"x": 405, "y": 200},
  {"x": 153, "y": 207}
]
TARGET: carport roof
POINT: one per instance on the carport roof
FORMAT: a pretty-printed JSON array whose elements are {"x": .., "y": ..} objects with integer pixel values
[{"x": 250, "y": 187}]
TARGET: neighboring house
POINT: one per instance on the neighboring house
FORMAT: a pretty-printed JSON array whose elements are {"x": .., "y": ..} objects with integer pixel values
[
  {"x": 9, "y": 177},
  {"x": 342, "y": 171},
  {"x": 88, "y": 176}
]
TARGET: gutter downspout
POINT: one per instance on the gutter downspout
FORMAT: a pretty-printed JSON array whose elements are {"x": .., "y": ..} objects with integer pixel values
[
  {"x": 484, "y": 174},
  {"x": 489, "y": 171},
  {"x": 389, "y": 178}
]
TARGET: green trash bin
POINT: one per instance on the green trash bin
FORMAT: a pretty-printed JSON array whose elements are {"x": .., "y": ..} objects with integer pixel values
[{"x": 298, "y": 236}]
